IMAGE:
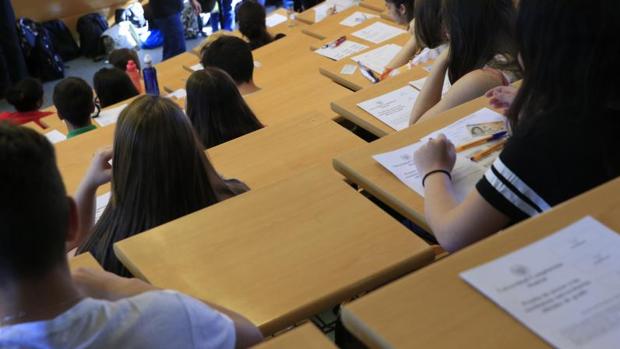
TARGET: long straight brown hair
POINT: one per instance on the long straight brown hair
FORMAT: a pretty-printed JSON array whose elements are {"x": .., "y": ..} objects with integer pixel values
[
  {"x": 160, "y": 173},
  {"x": 216, "y": 109}
]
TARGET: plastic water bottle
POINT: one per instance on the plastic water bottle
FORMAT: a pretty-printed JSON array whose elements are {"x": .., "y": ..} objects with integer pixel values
[
  {"x": 292, "y": 16},
  {"x": 150, "y": 77},
  {"x": 134, "y": 75}
]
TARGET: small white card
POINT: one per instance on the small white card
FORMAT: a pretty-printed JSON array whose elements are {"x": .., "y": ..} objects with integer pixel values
[
  {"x": 55, "y": 136},
  {"x": 348, "y": 69},
  {"x": 378, "y": 32},
  {"x": 178, "y": 94},
  {"x": 109, "y": 116},
  {"x": 393, "y": 108},
  {"x": 565, "y": 287},
  {"x": 274, "y": 19},
  {"x": 356, "y": 18},
  {"x": 377, "y": 59},
  {"x": 196, "y": 67},
  {"x": 345, "y": 49}
]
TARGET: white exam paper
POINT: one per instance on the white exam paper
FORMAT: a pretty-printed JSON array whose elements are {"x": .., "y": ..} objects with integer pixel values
[
  {"x": 356, "y": 18},
  {"x": 394, "y": 108},
  {"x": 274, "y": 19},
  {"x": 565, "y": 287},
  {"x": 377, "y": 59},
  {"x": 419, "y": 84},
  {"x": 55, "y": 136},
  {"x": 378, "y": 32},
  {"x": 458, "y": 133},
  {"x": 109, "y": 116},
  {"x": 465, "y": 174},
  {"x": 343, "y": 50},
  {"x": 100, "y": 204},
  {"x": 178, "y": 94}
]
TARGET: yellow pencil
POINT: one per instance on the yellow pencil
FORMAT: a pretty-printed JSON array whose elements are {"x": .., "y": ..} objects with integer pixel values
[{"x": 490, "y": 150}]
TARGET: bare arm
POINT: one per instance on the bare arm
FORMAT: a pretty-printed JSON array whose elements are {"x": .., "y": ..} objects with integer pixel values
[
  {"x": 454, "y": 224},
  {"x": 98, "y": 174},
  {"x": 470, "y": 86},
  {"x": 104, "y": 285},
  {"x": 404, "y": 55},
  {"x": 431, "y": 93}
]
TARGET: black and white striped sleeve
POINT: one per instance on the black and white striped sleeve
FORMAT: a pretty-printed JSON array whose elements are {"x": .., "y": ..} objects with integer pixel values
[{"x": 507, "y": 192}]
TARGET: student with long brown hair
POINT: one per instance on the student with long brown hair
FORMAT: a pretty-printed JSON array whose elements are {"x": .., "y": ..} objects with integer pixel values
[
  {"x": 216, "y": 109},
  {"x": 159, "y": 173}
]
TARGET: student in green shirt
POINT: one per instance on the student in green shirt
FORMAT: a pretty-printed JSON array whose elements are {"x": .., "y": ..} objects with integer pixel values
[{"x": 74, "y": 102}]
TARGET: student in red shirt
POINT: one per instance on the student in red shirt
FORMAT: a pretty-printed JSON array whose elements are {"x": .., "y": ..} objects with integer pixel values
[{"x": 26, "y": 96}]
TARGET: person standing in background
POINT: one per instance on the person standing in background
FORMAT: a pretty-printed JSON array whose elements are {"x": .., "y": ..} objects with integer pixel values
[
  {"x": 10, "y": 51},
  {"x": 167, "y": 14}
]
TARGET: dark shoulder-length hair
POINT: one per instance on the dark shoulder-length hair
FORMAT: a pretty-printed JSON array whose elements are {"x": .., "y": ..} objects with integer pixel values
[
  {"x": 113, "y": 85},
  {"x": 478, "y": 30},
  {"x": 216, "y": 109},
  {"x": 428, "y": 23},
  {"x": 160, "y": 173},
  {"x": 251, "y": 18}
]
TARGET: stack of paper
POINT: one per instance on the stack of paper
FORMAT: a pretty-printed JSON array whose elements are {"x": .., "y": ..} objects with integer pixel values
[
  {"x": 565, "y": 287},
  {"x": 378, "y": 32},
  {"x": 55, "y": 136},
  {"x": 466, "y": 129},
  {"x": 109, "y": 116},
  {"x": 465, "y": 174},
  {"x": 394, "y": 108},
  {"x": 274, "y": 19},
  {"x": 356, "y": 18},
  {"x": 341, "y": 51},
  {"x": 377, "y": 59}
]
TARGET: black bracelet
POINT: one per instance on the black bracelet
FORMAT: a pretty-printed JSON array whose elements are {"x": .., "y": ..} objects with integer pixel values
[{"x": 433, "y": 172}]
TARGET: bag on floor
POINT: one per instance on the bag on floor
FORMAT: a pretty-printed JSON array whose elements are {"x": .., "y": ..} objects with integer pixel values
[
  {"x": 90, "y": 27},
  {"x": 134, "y": 14},
  {"x": 121, "y": 35},
  {"x": 63, "y": 40},
  {"x": 190, "y": 22},
  {"x": 41, "y": 58}
]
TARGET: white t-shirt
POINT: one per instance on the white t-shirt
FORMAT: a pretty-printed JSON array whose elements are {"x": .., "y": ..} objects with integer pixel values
[{"x": 158, "y": 319}]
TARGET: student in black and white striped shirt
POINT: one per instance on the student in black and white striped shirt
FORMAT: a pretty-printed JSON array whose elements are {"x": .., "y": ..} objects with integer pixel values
[{"x": 566, "y": 120}]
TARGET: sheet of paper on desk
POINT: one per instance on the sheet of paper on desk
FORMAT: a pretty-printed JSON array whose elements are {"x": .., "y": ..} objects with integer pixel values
[
  {"x": 100, "y": 204},
  {"x": 274, "y": 19},
  {"x": 458, "y": 133},
  {"x": 55, "y": 136},
  {"x": 178, "y": 94},
  {"x": 356, "y": 18},
  {"x": 341, "y": 51},
  {"x": 465, "y": 174},
  {"x": 565, "y": 287},
  {"x": 109, "y": 116},
  {"x": 419, "y": 84},
  {"x": 378, "y": 32},
  {"x": 196, "y": 67},
  {"x": 394, "y": 108},
  {"x": 377, "y": 59}
]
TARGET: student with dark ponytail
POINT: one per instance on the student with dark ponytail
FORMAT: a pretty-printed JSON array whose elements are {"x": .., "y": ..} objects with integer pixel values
[
  {"x": 565, "y": 122},
  {"x": 251, "y": 18}
]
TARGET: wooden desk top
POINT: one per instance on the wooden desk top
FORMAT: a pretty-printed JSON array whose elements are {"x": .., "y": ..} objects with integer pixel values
[
  {"x": 278, "y": 254},
  {"x": 435, "y": 308},
  {"x": 375, "y": 5},
  {"x": 84, "y": 260},
  {"x": 306, "y": 336},
  {"x": 347, "y": 106},
  {"x": 356, "y": 81},
  {"x": 259, "y": 159},
  {"x": 331, "y": 27},
  {"x": 283, "y": 150},
  {"x": 359, "y": 166}
]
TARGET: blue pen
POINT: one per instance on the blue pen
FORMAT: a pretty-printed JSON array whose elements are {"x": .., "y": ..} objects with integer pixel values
[
  {"x": 482, "y": 140},
  {"x": 368, "y": 74}
]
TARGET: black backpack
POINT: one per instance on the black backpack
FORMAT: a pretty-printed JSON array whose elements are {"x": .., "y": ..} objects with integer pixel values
[
  {"x": 90, "y": 27},
  {"x": 63, "y": 40},
  {"x": 41, "y": 58}
]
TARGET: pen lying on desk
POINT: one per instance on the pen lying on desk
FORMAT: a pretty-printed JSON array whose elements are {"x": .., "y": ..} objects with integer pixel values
[
  {"x": 490, "y": 150},
  {"x": 482, "y": 140},
  {"x": 368, "y": 74},
  {"x": 335, "y": 43}
]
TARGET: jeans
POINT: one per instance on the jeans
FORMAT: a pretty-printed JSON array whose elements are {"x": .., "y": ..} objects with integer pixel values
[
  {"x": 226, "y": 14},
  {"x": 174, "y": 38}
]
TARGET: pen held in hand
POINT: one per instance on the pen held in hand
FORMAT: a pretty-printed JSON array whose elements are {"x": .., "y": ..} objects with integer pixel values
[
  {"x": 490, "y": 150},
  {"x": 482, "y": 140}
]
